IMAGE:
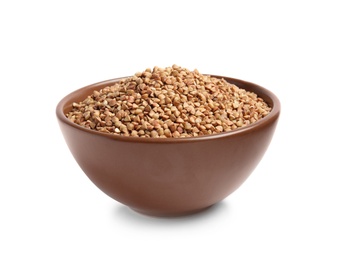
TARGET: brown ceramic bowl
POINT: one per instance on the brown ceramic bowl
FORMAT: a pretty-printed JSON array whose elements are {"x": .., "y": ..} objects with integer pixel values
[{"x": 167, "y": 177}]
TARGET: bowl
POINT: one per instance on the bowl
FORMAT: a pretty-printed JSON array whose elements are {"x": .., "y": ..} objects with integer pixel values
[{"x": 169, "y": 176}]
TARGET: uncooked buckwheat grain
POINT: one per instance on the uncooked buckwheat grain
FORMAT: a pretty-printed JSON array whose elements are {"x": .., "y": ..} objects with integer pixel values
[{"x": 169, "y": 103}]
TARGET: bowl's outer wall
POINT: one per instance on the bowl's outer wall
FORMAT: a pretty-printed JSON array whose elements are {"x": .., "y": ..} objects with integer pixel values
[{"x": 166, "y": 178}]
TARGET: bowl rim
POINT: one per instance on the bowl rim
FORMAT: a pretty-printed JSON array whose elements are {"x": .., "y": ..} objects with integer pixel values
[{"x": 272, "y": 116}]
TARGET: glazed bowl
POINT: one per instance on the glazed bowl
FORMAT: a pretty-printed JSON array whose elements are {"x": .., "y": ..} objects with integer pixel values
[{"x": 168, "y": 176}]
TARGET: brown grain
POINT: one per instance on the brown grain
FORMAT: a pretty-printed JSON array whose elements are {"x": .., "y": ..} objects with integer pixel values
[{"x": 169, "y": 103}]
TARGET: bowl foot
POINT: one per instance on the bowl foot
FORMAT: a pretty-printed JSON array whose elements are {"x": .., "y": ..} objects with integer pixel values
[{"x": 168, "y": 214}]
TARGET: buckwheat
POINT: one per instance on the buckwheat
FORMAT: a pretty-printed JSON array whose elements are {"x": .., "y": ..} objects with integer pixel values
[{"x": 170, "y": 102}]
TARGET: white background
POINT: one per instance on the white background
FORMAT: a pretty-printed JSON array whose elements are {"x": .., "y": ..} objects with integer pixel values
[{"x": 291, "y": 207}]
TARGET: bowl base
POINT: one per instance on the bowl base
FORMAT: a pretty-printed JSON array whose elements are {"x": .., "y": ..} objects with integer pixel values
[{"x": 168, "y": 214}]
